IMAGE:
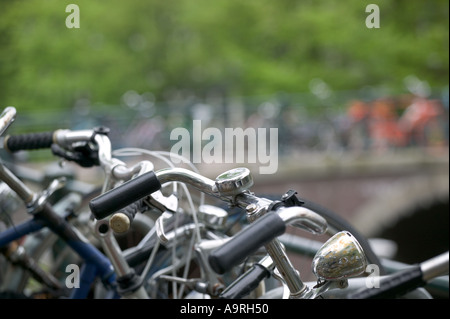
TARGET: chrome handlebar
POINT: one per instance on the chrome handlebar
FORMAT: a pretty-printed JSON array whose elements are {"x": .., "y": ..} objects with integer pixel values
[{"x": 6, "y": 118}]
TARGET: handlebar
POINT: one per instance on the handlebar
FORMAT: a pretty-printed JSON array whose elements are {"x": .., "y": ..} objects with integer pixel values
[
  {"x": 137, "y": 188},
  {"x": 85, "y": 147},
  {"x": 203, "y": 184},
  {"x": 69, "y": 145},
  {"x": 246, "y": 242},
  {"x": 31, "y": 141},
  {"x": 262, "y": 231},
  {"x": 406, "y": 280},
  {"x": 124, "y": 195}
]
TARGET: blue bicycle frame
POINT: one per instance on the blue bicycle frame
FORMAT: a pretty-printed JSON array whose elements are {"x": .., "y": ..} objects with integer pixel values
[{"x": 95, "y": 263}]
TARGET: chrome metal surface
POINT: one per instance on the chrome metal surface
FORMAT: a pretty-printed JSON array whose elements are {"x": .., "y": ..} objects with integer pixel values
[
  {"x": 182, "y": 175},
  {"x": 234, "y": 181},
  {"x": 303, "y": 218},
  {"x": 284, "y": 266},
  {"x": 212, "y": 216},
  {"x": 6, "y": 118},
  {"x": 340, "y": 257},
  {"x": 435, "y": 267}
]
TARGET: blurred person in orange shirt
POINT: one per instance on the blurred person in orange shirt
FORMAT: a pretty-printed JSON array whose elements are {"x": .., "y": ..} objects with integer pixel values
[
  {"x": 384, "y": 128},
  {"x": 420, "y": 122}
]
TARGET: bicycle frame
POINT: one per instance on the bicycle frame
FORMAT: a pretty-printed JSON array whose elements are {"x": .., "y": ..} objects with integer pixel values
[{"x": 95, "y": 263}]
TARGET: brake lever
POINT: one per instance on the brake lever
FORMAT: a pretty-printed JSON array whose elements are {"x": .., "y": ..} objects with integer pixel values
[
  {"x": 83, "y": 155},
  {"x": 162, "y": 203},
  {"x": 159, "y": 226}
]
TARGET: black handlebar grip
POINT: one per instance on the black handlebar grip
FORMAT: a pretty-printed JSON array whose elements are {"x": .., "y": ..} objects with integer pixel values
[
  {"x": 245, "y": 242},
  {"x": 123, "y": 195},
  {"x": 31, "y": 141},
  {"x": 393, "y": 285},
  {"x": 246, "y": 283}
]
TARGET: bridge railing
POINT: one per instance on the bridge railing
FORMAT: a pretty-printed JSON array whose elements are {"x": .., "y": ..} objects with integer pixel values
[{"x": 309, "y": 122}]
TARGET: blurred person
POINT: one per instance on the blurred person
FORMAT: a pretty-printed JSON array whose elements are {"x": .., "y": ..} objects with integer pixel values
[
  {"x": 420, "y": 122},
  {"x": 385, "y": 131}
]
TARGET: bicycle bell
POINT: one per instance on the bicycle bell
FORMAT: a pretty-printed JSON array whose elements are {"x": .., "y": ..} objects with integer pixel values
[
  {"x": 340, "y": 257},
  {"x": 234, "y": 181}
]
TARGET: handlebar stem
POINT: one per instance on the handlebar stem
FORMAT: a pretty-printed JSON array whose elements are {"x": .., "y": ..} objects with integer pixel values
[{"x": 287, "y": 270}]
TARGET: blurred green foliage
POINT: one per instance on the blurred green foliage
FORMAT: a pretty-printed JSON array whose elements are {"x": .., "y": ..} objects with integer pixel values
[{"x": 235, "y": 47}]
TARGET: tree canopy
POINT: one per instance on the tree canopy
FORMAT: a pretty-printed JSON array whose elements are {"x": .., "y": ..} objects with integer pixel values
[{"x": 236, "y": 47}]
